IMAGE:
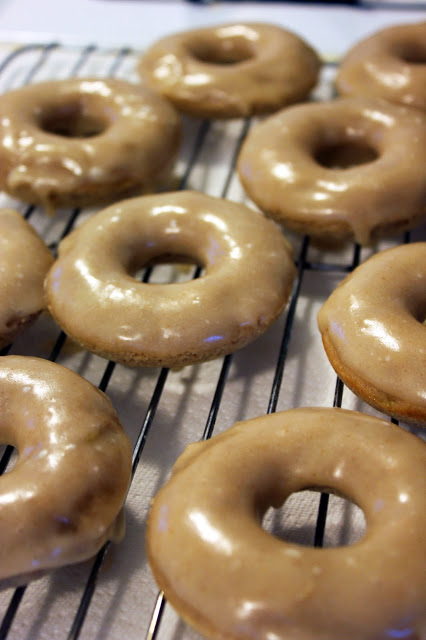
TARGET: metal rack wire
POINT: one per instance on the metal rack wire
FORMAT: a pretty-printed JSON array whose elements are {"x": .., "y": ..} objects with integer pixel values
[{"x": 286, "y": 368}]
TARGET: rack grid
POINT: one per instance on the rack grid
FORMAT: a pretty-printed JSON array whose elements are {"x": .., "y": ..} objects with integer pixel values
[{"x": 113, "y": 596}]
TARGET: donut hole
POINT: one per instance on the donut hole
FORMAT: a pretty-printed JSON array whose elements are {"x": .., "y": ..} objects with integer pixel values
[
  {"x": 72, "y": 120},
  {"x": 345, "y": 155},
  {"x": 414, "y": 303},
  {"x": 8, "y": 457},
  {"x": 412, "y": 53},
  {"x": 419, "y": 312},
  {"x": 168, "y": 270},
  {"x": 221, "y": 51},
  {"x": 295, "y": 521}
]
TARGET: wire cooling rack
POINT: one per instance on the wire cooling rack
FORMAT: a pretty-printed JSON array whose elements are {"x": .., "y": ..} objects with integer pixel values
[{"x": 114, "y": 596}]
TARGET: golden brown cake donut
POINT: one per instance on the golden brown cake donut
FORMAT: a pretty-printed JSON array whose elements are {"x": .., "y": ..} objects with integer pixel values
[
  {"x": 248, "y": 276},
  {"x": 60, "y": 502},
  {"x": 231, "y": 70},
  {"x": 374, "y": 334},
  {"x": 24, "y": 262},
  {"x": 340, "y": 169},
  {"x": 390, "y": 64},
  {"x": 69, "y": 143},
  {"x": 231, "y": 579}
]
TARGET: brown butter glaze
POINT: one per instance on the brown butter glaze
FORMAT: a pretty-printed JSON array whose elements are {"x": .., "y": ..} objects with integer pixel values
[
  {"x": 84, "y": 141},
  {"x": 93, "y": 295},
  {"x": 24, "y": 262},
  {"x": 60, "y": 502},
  {"x": 231, "y": 579},
  {"x": 390, "y": 64},
  {"x": 231, "y": 70},
  {"x": 374, "y": 334},
  {"x": 293, "y": 166}
]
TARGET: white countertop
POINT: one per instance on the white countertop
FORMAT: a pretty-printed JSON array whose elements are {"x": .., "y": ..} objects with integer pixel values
[{"x": 137, "y": 22}]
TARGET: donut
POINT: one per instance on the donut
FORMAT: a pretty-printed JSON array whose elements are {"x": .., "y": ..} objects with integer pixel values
[
  {"x": 339, "y": 170},
  {"x": 93, "y": 296},
  {"x": 61, "y": 501},
  {"x": 24, "y": 262},
  {"x": 231, "y": 70},
  {"x": 390, "y": 64},
  {"x": 229, "y": 578},
  {"x": 84, "y": 141},
  {"x": 373, "y": 331}
]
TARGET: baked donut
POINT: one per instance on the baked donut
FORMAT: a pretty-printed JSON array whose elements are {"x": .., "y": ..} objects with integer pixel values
[
  {"x": 230, "y": 579},
  {"x": 60, "y": 502},
  {"x": 390, "y": 64},
  {"x": 231, "y": 70},
  {"x": 340, "y": 169},
  {"x": 93, "y": 296},
  {"x": 84, "y": 141},
  {"x": 374, "y": 334},
  {"x": 24, "y": 262}
]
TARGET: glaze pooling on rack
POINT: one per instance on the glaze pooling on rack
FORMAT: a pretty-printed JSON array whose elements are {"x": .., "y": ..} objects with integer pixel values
[{"x": 103, "y": 598}]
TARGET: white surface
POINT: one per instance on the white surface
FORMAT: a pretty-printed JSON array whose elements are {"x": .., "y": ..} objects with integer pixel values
[
  {"x": 126, "y": 592},
  {"x": 136, "y": 22}
]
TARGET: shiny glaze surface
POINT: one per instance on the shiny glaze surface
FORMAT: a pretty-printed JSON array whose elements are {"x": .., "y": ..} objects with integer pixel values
[
  {"x": 231, "y": 70},
  {"x": 123, "y": 136},
  {"x": 390, "y": 64},
  {"x": 373, "y": 324},
  {"x": 24, "y": 262},
  {"x": 231, "y": 579},
  {"x": 248, "y": 276},
  {"x": 278, "y": 168},
  {"x": 59, "y": 503}
]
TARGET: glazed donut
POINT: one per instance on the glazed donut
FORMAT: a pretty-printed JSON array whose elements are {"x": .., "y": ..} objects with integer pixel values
[
  {"x": 248, "y": 276},
  {"x": 340, "y": 169},
  {"x": 390, "y": 64},
  {"x": 205, "y": 522},
  {"x": 73, "y": 143},
  {"x": 24, "y": 262},
  {"x": 374, "y": 334},
  {"x": 231, "y": 70},
  {"x": 60, "y": 502}
]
